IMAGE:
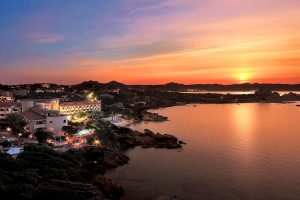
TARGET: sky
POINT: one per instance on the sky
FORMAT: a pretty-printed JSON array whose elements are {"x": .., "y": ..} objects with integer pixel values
[{"x": 150, "y": 41}]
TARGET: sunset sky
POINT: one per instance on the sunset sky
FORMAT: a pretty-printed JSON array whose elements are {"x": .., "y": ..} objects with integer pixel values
[{"x": 150, "y": 41}]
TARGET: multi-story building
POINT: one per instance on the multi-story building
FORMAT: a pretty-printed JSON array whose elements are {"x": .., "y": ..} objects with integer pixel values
[
  {"x": 46, "y": 120},
  {"x": 7, "y": 108},
  {"x": 66, "y": 108},
  {"x": 6, "y": 96},
  {"x": 47, "y": 104},
  {"x": 70, "y": 108}
]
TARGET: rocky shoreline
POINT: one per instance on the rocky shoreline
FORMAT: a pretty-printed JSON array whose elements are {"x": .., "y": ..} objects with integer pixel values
[
  {"x": 149, "y": 116},
  {"x": 113, "y": 152}
]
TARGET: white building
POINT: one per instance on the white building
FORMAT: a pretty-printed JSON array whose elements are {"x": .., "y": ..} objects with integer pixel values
[
  {"x": 65, "y": 108},
  {"x": 7, "y": 108},
  {"x": 6, "y": 96},
  {"x": 46, "y": 120}
]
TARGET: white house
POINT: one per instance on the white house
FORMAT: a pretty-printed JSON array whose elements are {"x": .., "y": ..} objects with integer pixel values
[
  {"x": 7, "y": 108},
  {"x": 46, "y": 120}
]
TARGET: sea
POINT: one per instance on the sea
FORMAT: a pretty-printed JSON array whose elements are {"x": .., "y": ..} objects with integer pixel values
[{"x": 245, "y": 151}]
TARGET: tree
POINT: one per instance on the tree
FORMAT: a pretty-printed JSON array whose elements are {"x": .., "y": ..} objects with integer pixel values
[
  {"x": 42, "y": 136},
  {"x": 17, "y": 123},
  {"x": 69, "y": 130},
  {"x": 6, "y": 143}
]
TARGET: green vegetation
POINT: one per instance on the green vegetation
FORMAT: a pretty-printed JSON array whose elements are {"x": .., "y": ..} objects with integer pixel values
[
  {"x": 42, "y": 173},
  {"x": 17, "y": 123},
  {"x": 43, "y": 136}
]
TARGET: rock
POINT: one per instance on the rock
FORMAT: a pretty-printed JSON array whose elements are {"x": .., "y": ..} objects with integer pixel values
[
  {"x": 108, "y": 186},
  {"x": 89, "y": 190},
  {"x": 113, "y": 159},
  {"x": 181, "y": 142},
  {"x": 148, "y": 132},
  {"x": 148, "y": 116},
  {"x": 167, "y": 198}
]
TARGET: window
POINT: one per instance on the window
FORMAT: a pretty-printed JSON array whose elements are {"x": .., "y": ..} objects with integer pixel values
[
  {"x": 65, "y": 121},
  {"x": 50, "y": 122}
]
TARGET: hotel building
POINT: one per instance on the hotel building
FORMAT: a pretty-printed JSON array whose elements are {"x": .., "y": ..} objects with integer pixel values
[
  {"x": 70, "y": 108},
  {"x": 65, "y": 108},
  {"x": 46, "y": 120}
]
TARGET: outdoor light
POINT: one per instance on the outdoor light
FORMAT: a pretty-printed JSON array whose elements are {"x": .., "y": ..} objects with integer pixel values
[
  {"x": 8, "y": 129},
  {"x": 97, "y": 142}
]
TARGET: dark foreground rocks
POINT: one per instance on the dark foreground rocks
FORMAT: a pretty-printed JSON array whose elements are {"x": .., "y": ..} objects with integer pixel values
[
  {"x": 149, "y": 116},
  {"x": 167, "y": 198},
  {"x": 109, "y": 186},
  {"x": 129, "y": 138}
]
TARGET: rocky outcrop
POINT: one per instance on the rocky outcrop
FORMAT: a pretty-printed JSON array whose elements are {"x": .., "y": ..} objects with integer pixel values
[
  {"x": 147, "y": 139},
  {"x": 109, "y": 187},
  {"x": 167, "y": 198},
  {"x": 85, "y": 190},
  {"x": 113, "y": 159},
  {"x": 148, "y": 116}
]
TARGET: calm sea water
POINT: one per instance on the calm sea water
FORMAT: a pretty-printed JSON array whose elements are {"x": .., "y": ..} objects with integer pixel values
[
  {"x": 237, "y": 92},
  {"x": 246, "y": 151}
]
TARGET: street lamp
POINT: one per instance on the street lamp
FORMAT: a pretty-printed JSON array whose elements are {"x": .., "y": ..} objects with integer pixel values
[{"x": 97, "y": 142}]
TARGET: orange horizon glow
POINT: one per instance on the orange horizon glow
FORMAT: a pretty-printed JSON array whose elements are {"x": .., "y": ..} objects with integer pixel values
[{"x": 189, "y": 42}]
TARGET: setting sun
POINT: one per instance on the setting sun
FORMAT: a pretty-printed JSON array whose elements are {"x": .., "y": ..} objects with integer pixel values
[{"x": 243, "y": 77}]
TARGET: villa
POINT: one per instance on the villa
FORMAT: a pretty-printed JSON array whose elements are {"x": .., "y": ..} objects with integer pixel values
[{"x": 46, "y": 120}]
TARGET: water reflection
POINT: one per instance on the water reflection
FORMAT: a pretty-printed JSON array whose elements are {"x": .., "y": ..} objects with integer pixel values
[
  {"x": 243, "y": 120},
  {"x": 247, "y": 151}
]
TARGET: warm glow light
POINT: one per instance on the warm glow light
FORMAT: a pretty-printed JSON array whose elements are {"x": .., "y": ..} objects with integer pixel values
[
  {"x": 243, "y": 77},
  {"x": 209, "y": 47},
  {"x": 97, "y": 142}
]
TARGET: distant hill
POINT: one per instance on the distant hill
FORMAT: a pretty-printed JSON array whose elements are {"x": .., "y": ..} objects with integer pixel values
[
  {"x": 115, "y": 85},
  {"x": 219, "y": 87},
  {"x": 88, "y": 85},
  {"x": 172, "y": 86}
]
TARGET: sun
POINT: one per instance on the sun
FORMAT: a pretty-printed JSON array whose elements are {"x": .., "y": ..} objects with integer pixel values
[{"x": 243, "y": 77}]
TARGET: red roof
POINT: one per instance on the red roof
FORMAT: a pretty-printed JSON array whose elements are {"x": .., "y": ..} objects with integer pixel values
[{"x": 35, "y": 113}]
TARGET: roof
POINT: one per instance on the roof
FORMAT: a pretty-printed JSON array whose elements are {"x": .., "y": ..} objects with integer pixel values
[
  {"x": 34, "y": 113},
  {"x": 44, "y": 100},
  {"x": 40, "y": 100},
  {"x": 38, "y": 113}
]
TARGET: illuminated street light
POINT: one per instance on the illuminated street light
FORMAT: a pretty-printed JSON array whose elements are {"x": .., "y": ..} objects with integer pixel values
[
  {"x": 8, "y": 129},
  {"x": 97, "y": 142}
]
